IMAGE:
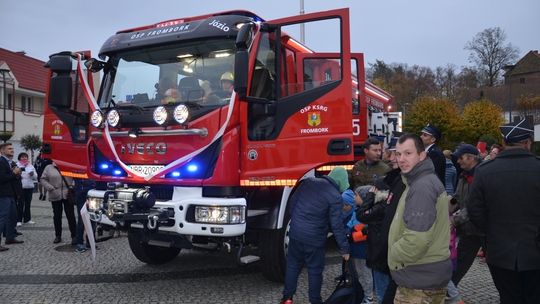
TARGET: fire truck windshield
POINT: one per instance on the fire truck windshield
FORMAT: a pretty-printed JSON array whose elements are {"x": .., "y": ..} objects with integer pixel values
[{"x": 195, "y": 72}]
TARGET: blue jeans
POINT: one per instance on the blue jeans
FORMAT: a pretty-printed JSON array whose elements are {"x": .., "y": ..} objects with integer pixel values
[
  {"x": 300, "y": 254},
  {"x": 8, "y": 217},
  {"x": 381, "y": 280},
  {"x": 452, "y": 290},
  {"x": 365, "y": 277}
]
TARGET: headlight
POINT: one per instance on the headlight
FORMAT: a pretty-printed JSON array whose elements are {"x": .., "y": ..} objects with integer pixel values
[
  {"x": 220, "y": 215},
  {"x": 160, "y": 115},
  {"x": 181, "y": 113},
  {"x": 113, "y": 118},
  {"x": 97, "y": 119},
  {"x": 94, "y": 203}
]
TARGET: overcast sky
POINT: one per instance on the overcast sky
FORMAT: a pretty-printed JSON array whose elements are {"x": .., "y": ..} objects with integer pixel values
[{"x": 424, "y": 32}]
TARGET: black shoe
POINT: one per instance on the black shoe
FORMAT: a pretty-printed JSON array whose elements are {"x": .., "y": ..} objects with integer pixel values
[
  {"x": 57, "y": 240},
  {"x": 18, "y": 233},
  {"x": 14, "y": 241},
  {"x": 3, "y": 248}
]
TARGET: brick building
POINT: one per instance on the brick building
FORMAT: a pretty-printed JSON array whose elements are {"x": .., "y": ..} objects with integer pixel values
[{"x": 520, "y": 79}]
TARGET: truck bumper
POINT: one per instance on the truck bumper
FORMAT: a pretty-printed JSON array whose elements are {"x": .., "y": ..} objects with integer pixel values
[{"x": 187, "y": 213}]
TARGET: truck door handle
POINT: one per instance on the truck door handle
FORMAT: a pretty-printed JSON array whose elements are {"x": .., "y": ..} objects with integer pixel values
[{"x": 339, "y": 146}]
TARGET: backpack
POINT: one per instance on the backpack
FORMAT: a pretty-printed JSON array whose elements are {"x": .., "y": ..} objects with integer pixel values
[{"x": 348, "y": 289}]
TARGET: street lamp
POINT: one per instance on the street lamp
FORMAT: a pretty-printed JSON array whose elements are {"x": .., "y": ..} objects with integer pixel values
[
  {"x": 4, "y": 136},
  {"x": 302, "y": 25},
  {"x": 386, "y": 114}
]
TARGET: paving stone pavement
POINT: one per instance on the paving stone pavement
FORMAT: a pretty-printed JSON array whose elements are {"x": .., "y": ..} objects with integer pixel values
[{"x": 39, "y": 271}]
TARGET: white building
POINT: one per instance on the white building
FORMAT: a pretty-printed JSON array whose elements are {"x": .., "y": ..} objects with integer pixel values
[{"x": 23, "y": 82}]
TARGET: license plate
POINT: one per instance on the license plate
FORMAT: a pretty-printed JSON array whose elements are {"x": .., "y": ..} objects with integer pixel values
[{"x": 146, "y": 170}]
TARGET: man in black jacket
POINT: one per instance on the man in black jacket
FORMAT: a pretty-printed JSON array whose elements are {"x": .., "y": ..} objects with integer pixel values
[
  {"x": 378, "y": 216},
  {"x": 430, "y": 136},
  {"x": 505, "y": 203},
  {"x": 9, "y": 176}
]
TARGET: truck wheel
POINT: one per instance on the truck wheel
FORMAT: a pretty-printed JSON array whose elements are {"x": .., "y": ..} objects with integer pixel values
[
  {"x": 148, "y": 253},
  {"x": 273, "y": 250}
]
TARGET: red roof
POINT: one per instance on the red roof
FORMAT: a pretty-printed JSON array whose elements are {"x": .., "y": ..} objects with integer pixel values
[{"x": 28, "y": 71}]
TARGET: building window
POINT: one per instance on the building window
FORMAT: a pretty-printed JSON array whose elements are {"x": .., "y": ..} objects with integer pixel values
[
  {"x": 9, "y": 101},
  {"x": 522, "y": 80},
  {"x": 27, "y": 104}
]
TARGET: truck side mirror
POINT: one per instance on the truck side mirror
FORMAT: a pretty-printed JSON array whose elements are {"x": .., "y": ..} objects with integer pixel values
[
  {"x": 60, "y": 91},
  {"x": 241, "y": 60},
  {"x": 61, "y": 84}
]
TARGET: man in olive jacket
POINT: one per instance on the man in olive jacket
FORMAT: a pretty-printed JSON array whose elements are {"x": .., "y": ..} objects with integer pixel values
[
  {"x": 505, "y": 204},
  {"x": 368, "y": 170},
  {"x": 418, "y": 252}
]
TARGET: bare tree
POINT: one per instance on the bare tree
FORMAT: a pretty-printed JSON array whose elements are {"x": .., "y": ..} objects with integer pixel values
[
  {"x": 490, "y": 53},
  {"x": 446, "y": 79}
]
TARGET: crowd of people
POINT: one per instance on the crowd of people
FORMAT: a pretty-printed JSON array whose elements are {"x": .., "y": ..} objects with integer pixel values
[
  {"x": 426, "y": 214},
  {"x": 17, "y": 183}
]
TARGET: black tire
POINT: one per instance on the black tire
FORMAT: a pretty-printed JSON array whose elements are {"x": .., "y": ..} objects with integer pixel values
[
  {"x": 273, "y": 246},
  {"x": 150, "y": 254}
]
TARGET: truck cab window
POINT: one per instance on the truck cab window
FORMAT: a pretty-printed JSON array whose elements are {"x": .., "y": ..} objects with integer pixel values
[
  {"x": 183, "y": 72},
  {"x": 264, "y": 73}
]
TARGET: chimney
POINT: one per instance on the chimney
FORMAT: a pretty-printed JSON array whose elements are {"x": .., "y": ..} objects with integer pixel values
[{"x": 21, "y": 53}]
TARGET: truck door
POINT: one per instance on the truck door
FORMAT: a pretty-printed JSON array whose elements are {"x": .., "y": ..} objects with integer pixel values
[
  {"x": 65, "y": 125},
  {"x": 298, "y": 103},
  {"x": 358, "y": 94},
  {"x": 359, "y": 104}
]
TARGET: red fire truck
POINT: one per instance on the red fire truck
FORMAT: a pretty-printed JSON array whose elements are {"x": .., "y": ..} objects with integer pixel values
[{"x": 202, "y": 128}]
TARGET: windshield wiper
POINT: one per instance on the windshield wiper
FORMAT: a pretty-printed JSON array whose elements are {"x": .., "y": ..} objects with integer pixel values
[{"x": 191, "y": 104}]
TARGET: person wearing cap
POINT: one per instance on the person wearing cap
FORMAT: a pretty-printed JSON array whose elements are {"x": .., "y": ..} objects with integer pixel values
[
  {"x": 418, "y": 251},
  {"x": 430, "y": 136},
  {"x": 367, "y": 170},
  {"x": 316, "y": 206},
  {"x": 470, "y": 237},
  {"x": 505, "y": 204}
]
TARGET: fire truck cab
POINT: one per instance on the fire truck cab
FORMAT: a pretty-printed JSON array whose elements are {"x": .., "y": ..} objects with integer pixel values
[{"x": 203, "y": 126}]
